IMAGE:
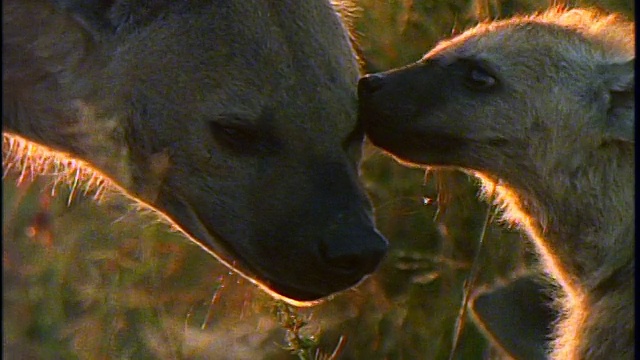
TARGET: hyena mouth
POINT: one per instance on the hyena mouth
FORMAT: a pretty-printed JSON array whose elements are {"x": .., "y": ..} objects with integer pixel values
[
  {"x": 188, "y": 222},
  {"x": 415, "y": 145}
]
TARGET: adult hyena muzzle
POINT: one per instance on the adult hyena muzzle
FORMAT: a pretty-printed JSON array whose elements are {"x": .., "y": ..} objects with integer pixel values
[{"x": 313, "y": 235}]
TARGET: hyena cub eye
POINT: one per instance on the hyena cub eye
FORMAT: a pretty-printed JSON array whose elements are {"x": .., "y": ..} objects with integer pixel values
[{"x": 478, "y": 77}]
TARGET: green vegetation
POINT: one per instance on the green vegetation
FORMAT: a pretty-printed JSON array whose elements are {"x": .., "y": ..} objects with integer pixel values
[{"x": 104, "y": 281}]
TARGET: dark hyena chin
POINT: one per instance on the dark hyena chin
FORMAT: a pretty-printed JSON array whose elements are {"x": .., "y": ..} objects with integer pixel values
[
  {"x": 542, "y": 109},
  {"x": 231, "y": 120}
]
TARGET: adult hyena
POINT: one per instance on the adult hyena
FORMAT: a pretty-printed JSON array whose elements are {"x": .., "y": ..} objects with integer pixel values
[
  {"x": 542, "y": 108},
  {"x": 234, "y": 119}
]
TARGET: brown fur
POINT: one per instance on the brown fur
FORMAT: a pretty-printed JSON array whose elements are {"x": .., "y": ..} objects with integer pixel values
[
  {"x": 234, "y": 119},
  {"x": 542, "y": 107}
]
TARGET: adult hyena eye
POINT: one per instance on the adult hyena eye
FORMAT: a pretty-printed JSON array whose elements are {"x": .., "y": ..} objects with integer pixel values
[
  {"x": 479, "y": 79},
  {"x": 233, "y": 136},
  {"x": 242, "y": 137}
]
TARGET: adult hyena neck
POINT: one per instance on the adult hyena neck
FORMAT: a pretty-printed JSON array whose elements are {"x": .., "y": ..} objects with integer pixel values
[
  {"x": 50, "y": 72},
  {"x": 581, "y": 223},
  {"x": 67, "y": 130}
]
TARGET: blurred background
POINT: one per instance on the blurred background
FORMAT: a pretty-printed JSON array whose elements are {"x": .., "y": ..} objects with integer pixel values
[{"x": 83, "y": 280}]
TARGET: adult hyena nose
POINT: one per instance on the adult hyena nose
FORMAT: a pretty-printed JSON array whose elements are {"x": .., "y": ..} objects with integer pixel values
[
  {"x": 369, "y": 84},
  {"x": 352, "y": 252}
]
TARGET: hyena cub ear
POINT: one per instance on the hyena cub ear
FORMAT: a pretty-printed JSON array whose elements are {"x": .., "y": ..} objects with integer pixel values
[
  {"x": 517, "y": 317},
  {"x": 620, "y": 121}
]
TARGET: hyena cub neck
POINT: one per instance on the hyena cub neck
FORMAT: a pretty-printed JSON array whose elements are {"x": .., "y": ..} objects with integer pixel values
[{"x": 543, "y": 108}]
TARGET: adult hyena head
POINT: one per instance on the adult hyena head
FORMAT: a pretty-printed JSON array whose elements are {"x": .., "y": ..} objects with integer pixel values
[
  {"x": 237, "y": 120},
  {"x": 518, "y": 99}
]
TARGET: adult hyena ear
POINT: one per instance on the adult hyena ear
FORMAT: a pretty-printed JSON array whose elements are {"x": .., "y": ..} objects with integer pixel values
[
  {"x": 93, "y": 15},
  {"x": 620, "y": 122},
  {"x": 106, "y": 17}
]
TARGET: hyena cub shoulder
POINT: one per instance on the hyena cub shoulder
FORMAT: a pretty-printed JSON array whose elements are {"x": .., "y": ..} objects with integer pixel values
[{"x": 542, "y": 107}]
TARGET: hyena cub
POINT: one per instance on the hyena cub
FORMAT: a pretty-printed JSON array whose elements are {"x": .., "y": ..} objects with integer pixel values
[{"x": 542, "y": 108}]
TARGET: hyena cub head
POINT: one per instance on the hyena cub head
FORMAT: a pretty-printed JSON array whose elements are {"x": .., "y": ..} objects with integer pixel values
[{"x": 518, "y": 99}]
